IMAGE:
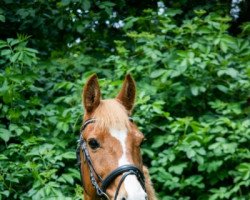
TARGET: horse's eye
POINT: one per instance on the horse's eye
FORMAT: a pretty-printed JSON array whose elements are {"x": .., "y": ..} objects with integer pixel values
[{"x": 93, "y": 143}]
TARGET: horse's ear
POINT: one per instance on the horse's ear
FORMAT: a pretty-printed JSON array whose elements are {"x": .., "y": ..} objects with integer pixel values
[
  {"x": 127, "y": 93},
  {"x": 91, "y": 94}
]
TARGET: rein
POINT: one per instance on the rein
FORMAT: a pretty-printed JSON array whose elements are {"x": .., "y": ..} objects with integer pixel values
[{"x": 125, "y": 170}]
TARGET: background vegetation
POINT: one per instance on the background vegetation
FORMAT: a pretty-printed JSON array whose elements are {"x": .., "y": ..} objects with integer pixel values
[{"x": 191, "y": 62}]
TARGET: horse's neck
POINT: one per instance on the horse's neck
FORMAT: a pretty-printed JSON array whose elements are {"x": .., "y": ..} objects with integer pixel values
[
  {"x": 149, "y": 187},
  {"x": 87, "y": 197}
]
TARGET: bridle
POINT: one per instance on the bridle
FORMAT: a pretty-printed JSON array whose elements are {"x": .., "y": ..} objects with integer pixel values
[{"x": 124, "y": 170}]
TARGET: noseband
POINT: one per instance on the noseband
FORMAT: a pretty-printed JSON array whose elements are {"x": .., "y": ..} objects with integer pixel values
[{"x": 124, "y": 170}]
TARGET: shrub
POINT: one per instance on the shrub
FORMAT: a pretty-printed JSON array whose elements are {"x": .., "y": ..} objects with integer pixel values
[{"x": 193, "y": 81}]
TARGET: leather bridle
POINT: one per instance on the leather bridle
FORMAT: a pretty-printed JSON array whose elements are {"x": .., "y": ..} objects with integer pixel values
[{"x": 124, "y": 170}]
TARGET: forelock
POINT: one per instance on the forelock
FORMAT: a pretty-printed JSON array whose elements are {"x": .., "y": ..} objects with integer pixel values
[{"x": 111, "y": 114}]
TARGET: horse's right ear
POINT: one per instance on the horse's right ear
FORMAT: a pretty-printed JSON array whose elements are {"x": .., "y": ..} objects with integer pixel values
[
  {"x": 91, "y": 94},
  {"x": 127, "y": 94}
]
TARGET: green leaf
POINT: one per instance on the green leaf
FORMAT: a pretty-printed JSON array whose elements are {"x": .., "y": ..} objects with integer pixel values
[
  {"x": 211, "y": 166},
  {"x": 229, "y": 71},
  {"x": 2, "y": 18},
  {"x": 232, "y": 72},
  {"x": 6, "y": 52},
  {"x": 30, "y": 50},
  {"x": 67, "y": 178},
  {"x": 13, "y": 42},
  {"x": 157, "y": 73},
  {"x": 19, "y": 131},
  {"x": 190, "y": 153},
  {"x": 223, "y": 46},
  {"x": 3, "y": 44},
  {"x": 5, "y": 134},
  {"x": 3, "y": 157},
  {"x": 15, "y": 57},
  {"x": 159, "y": 141},
  {"x": 69, "y": 155},
  {"x": 222, "y": 88},
  {"x": 66, "y": 2},
  {"x": 148, "y": 152},
  {"x": 86, "y": 4},
  {"x": 178, "y": 169},
  {"x": 194, "y": 90},
  {"x": 183, "y": 66},
  {"x": 5, "y": 193},
  {"x": 129, "y": 22}
]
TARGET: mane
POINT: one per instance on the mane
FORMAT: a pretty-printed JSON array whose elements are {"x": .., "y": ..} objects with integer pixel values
[{"x": 111, "y": 114}]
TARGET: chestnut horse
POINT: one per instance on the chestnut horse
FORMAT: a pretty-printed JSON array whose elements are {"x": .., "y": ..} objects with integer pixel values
[{"x": 109, "y": 147}]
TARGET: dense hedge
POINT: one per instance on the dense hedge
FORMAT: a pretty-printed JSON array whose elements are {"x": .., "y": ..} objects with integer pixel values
[{"x": 193, "y": 105}]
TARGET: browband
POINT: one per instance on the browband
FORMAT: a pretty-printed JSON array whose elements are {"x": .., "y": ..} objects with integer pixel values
[
  {"x": 92, "y": 120},
  {"x": 86, "y": 123}
]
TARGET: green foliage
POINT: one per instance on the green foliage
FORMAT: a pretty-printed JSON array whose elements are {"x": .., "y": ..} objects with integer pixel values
[
  {"x": 199, "y": 74},
  {"x": 34, "y": 123},
  {"x": 193, "y": 81}
]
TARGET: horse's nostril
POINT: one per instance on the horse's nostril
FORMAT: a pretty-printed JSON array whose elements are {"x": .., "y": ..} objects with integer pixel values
[{"x": 123, "y": 198}]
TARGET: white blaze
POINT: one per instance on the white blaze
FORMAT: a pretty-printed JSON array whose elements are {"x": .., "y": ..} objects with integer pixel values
[{"x": 131, "y": 184}]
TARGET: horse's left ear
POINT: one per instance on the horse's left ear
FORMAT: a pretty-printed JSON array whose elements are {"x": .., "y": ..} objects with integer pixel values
[
  {"x": 91, "y": 94},
  {"x": 127, "y": 94}
]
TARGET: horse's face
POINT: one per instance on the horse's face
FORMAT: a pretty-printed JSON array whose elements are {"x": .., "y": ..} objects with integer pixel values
[{"x": 112, "y": 140}]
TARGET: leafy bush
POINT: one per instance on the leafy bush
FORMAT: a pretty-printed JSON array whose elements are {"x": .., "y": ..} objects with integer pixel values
[
  {"x": 33, "y": 157},
  {"x": 193, "y": 81},
  {"x": 195, "y": 98}
]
